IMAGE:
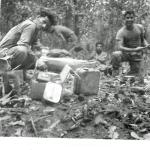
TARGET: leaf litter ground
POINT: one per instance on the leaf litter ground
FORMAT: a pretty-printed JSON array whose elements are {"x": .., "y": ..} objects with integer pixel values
[{"x": 117, "y": 112}]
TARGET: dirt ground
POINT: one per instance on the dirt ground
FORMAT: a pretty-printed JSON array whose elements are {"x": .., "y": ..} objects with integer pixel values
[{"x": 121, "y": 110}]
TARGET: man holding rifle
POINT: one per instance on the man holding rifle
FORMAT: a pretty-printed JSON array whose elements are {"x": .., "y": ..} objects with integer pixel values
[{"x": 131, "y": 45}]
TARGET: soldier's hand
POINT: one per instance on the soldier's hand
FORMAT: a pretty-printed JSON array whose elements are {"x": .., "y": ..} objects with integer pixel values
[{"x": 41, "y": 65}]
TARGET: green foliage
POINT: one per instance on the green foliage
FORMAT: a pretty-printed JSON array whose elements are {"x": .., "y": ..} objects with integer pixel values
[{"x": 91, "y": 20}]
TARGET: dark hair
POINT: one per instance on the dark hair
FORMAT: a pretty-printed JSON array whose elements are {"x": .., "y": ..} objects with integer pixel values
[
  {"x": 130, "y": 12},
  {"x": 78, "y": 48},
  {"x": 50, "y": 14},
  {"x": 98, "y": 42}
]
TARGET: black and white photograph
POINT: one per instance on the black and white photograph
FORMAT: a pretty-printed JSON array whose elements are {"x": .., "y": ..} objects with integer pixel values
[{"x": 75, "y": 69}]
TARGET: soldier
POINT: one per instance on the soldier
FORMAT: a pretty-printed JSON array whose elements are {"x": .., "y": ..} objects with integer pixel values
[
  {"x": 99, "y": 55},
  {"x": 21, "y": 39},
  {"x": 66, "y": 34},
  {"x": 130, "y": 42}
]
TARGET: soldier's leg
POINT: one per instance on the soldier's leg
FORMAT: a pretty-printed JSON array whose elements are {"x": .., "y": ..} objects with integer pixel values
[
  {"x": 21, "y": 57},
  {"x": 137, "y": 70},
  {"x": 117, "y": 58},
  {"x": 30, "y": 61},
  {"x": 134, "y": 67},
  {"x": 135, "y": 63}
]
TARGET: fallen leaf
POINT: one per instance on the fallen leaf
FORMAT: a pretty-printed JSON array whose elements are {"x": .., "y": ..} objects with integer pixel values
[
  {"x": 20, "y": 123},
  {"x": 63, "y": 133},
  {"x": 134, "y": 125},
  {"x": 34, "y": 108},
  {"x": 148, "y": 100},
  {"x": 4, "y": 118},
  {"x": 52, "y": 126},
  {"x": 147, "y": 87},
  {"x": 48, "y": 110},
  {"x": 73, "y": 127},
  {"x": 18, "y": 132},
  {"x": 99, "y": 119},
  {"x": 143, "y": 130},
  {"x": 112, "y": 133},
  {"x": 2, "y": 112},
  {"x": 134, "y": 135},
  {"x": 147, "y": 136},
  {"x": 5, "y": 99},
  {"x": 139, "y": 90}
]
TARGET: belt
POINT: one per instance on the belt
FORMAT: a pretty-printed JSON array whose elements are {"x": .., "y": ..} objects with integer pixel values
[{"x": 135, "y": 53}]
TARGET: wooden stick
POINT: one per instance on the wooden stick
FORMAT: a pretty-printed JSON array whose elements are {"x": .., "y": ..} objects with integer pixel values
[
  {"x": 43, "y": 117},
  {"x": 17, "y": 110},
  {"x": 33, "y": 126}
]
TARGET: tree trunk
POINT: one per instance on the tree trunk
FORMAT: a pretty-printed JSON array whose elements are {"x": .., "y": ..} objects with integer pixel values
[
  {"x": 69, "y": 16},
  {"x": 76, "y": 25},
  {"x": 76, "y": 19},
  {"x": 0, "y": 9}
]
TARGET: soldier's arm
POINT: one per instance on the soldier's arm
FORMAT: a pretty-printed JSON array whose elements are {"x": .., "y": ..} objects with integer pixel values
[
  {"x": 58, "y": 33},
  {"x": 61, "y": 36},
  {"x": 73, "y": 37},
  {"x": 120, "y": 45},
  {"x": 123, "y": 48}
]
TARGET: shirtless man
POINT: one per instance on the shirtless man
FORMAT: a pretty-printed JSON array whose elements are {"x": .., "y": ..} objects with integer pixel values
[{"x": 130, "y": 43}]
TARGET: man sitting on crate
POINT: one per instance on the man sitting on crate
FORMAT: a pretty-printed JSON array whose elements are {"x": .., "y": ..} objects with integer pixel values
[
  {"x": 131, "y": 43},
  {"x": 99, "y": 55},
  {"x": 21, "y": 39}
]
